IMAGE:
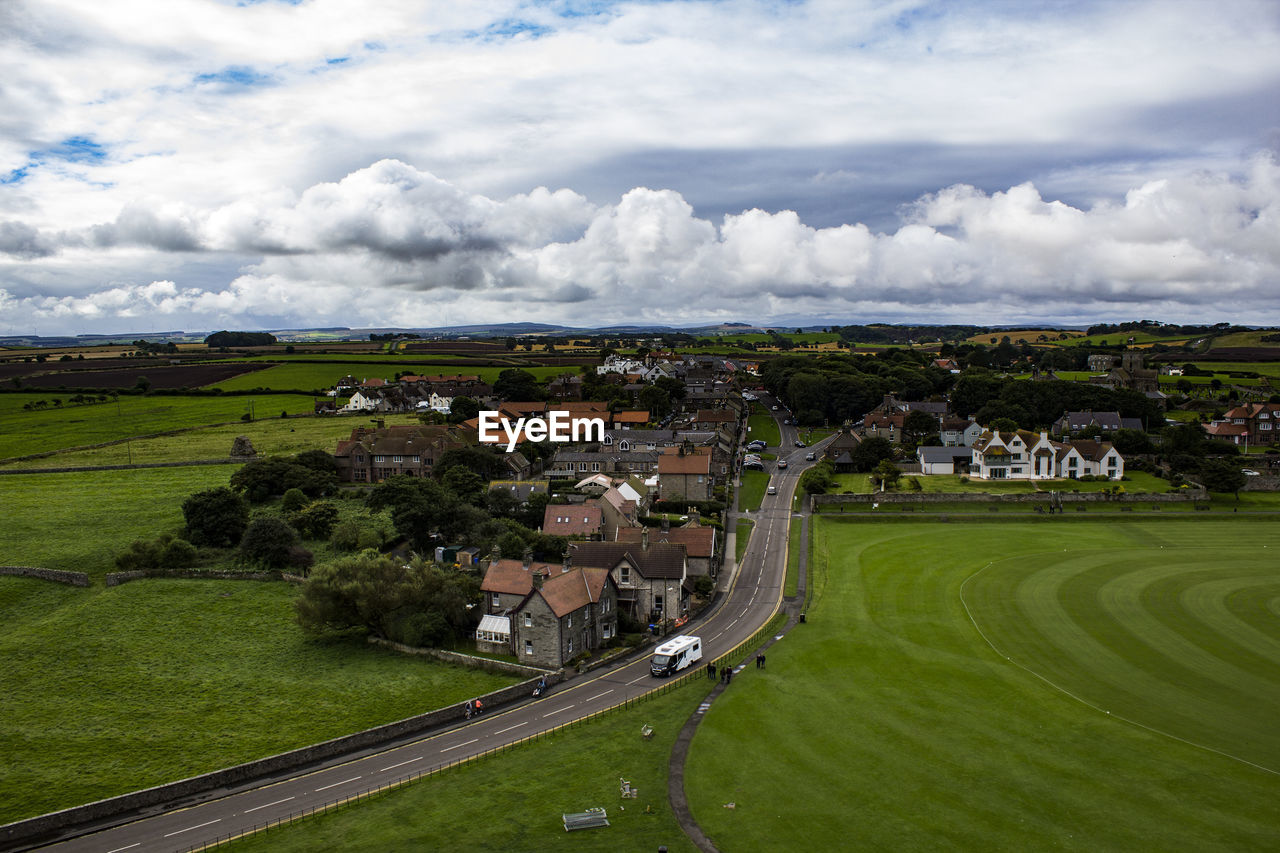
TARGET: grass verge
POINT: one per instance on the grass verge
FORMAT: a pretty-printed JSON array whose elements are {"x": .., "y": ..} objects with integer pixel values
[
  {"x": 751, "y": 494},
  {"x": 742, "y": 535},
  {"x": 794, "y": 544},
  {"x": 513, "y": 801}
]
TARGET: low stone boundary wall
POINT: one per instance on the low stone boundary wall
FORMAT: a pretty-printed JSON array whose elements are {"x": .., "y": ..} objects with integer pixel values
[
  {"x": 117, "y": 578},
  {"x": 473, "y": 661},
  {"x": 820, "y": 502},
  {"x": 82, "y": 468},
  {"x": 55, "y": 575},
  {"x": 44, "y": 827}
]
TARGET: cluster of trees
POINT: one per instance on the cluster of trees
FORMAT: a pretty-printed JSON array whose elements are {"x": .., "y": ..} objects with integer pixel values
[
  {"x": 239, "y": 339},
  {"x": 837, "y": 388},
  {"x": 417, "y": 603},
  {"x": 313, "y": 472},
  {"x": 1036, "y": 404}
]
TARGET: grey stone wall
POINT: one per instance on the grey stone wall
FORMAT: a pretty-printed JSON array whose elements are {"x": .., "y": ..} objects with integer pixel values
[
  {"x": 55, "y": 575},
  {"x": 461, "y": 659},
  {"x": 830, "y": 502},
  {"x": 117, "y": 578}
]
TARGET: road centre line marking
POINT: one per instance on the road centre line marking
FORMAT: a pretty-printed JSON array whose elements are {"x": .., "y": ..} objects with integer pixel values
[
  {"x": 460, "y": 745},
  {"x": 401, "y": 764},
  {"x": 598, "y": 695},
  {"x": 556, "y": 711},
  {"x": 731, "y": 624},
  {"x": 268, "y": 805},
  {"x": 336, "y": 784},
  {"x": 509, "y": 728},
  {"x": 641, "y": 678},
  {"x": 130, "y": 847},
  {"x": 197, "y": 826}
]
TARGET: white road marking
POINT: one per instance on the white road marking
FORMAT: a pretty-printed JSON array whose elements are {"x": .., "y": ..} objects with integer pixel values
[
  {"x": 744, "y": 612},
  {"x": 460, "y": 745},
  {"x": 130, "y": 847},
  {"x": 641, "y": 678},
  {"x": 731, "y": 624},
  {"x": 509, "y": 728},
  {"x": 197, "y": 826},
  {"x": 598, "y": 695},
  {"x": 336, "y": 784},
  {"x": 717, "y": 635},
  {"x": 556, "y": 711},
  {"x": 401, "y": 764},
  {"x": 268, "y": 805}
]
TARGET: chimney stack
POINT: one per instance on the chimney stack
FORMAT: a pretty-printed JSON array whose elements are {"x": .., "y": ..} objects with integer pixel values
[
  {"x": 528, "y": 558},
  {"x": 644, "y": 539}
]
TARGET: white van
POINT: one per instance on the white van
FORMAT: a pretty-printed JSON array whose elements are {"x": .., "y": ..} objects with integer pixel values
[{"x": 675, "y": 654}]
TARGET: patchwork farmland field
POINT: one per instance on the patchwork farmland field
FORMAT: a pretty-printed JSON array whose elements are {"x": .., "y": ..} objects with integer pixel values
[{"x": 972, "y": 667}]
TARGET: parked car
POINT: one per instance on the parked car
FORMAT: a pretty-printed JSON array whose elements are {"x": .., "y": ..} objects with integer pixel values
[
  {"x": 782, "y": 463},
  {"x": 809, "y": 457}
]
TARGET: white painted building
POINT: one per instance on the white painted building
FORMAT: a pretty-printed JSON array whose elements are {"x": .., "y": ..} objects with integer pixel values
[{"x": 1024, "y": 455}]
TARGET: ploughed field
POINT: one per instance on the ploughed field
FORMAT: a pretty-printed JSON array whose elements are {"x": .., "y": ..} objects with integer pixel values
[{"x": 1011, "y": 686}]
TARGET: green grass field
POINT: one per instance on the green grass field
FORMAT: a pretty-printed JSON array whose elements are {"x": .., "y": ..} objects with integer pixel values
[
  {"x": 792, "y": 585},
  {"x": 971, "y": 668},
  {"x": 80, "y": 521},
  {"x": 23, "y": 433},
  {"x": 270, "y": 436},
  {"x": 104, "y": 691}
]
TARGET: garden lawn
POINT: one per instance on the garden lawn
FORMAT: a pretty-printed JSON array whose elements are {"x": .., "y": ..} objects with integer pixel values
[
  {"x": 81, "y": 521},
  {"x": 937, "y": 648},
  {"x": 271, "y": 436},
  {"x": 107, "y": 690},
  {"x": 23, "y": 433},
  {"x": 513, "y": 802}
]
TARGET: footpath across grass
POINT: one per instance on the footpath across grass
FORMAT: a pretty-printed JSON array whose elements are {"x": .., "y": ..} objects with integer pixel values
[
  {"x": 514, "y": 801},
  {"x": 930, "y": 644},
  {"x": 105, "y": 691}
]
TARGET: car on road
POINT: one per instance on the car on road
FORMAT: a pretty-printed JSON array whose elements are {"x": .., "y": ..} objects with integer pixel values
[
  {"x": 773, "y": 490},
  {"x": 809, "y": 457},
  {"x": 782, "y": 463},
  {"x": 799, "y": 443},
  {"x": 1249, "y": 472},
  {"x": 775, "y": 408}
]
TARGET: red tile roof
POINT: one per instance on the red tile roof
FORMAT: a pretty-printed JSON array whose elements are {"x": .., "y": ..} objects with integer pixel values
[{"x": 571, "y": 520}]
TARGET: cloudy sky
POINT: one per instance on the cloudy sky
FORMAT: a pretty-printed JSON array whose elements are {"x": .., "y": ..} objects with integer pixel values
[{"x": 206, "y": 164}]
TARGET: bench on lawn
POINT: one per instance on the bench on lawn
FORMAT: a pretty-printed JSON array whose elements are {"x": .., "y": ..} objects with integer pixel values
[{"x": 589, "y": 819}]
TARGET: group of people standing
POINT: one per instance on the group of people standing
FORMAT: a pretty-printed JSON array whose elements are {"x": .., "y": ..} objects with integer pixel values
[{"x": 726, "y": 672}]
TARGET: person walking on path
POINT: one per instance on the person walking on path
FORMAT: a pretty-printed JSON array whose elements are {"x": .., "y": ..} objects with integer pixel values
[
  {"x": 762, "y": 661},
  {"x": 759, "y": 661},
  {"x": 711, "y": 671}
]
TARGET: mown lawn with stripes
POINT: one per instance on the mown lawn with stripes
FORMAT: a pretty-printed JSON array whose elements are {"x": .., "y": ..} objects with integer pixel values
[{"x": 952, "y": 684}]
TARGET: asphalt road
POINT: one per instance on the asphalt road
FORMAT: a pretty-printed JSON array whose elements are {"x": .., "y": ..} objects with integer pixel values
[{"x": 754, "y": 596}]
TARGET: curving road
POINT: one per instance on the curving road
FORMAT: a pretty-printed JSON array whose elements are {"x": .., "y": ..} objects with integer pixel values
[{"x": 754, "y": 595}]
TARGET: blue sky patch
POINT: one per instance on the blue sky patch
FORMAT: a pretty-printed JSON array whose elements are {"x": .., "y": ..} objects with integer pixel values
[{"x": 235, "y": 75}]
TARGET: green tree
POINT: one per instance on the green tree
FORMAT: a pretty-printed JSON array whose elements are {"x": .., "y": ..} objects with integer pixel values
[
  {"x": 315, "y": 520},
  {"x": 886, "y": 474},
  {"x": 870, "y": 452},
  {"x": 463, "y": 408},
  {"x": 517, "y": 384},
  {"x": 818, "y": 480},
  {"x": 268, "y": 542},
  {"x": 417, "y": 603},
  {"x": 1222, "y": 475},
  {"x": 216, "y": 517},
  {"x": 656, "y": 401}
]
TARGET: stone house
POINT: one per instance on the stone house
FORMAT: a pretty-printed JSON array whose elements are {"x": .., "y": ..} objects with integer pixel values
[
  {"x": 371, "y": 455},
  {"x": 563, "y": 612},
  {"x": 651, "y": 578},
  {"x": 684, "y": 473},
  {"x": 699, "y": 543}
]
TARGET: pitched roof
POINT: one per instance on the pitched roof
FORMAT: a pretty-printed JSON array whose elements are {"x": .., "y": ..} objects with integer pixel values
[
  {"x": 569, "y": 591},
  {"x": 567, "y": 520},
  {"x": 659, "y": 560},
  {"x": 513, "y": 577},
  {"x": 671, "y": 462},
  {"x": 699, "y": 542}
]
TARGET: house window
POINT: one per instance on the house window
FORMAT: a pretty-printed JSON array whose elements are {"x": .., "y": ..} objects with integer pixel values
[
  {"x": 528, "y": 647},
  {"x": 494, "y": 600},
  {"x": 569, "y": 624},
  {"x": 604, "y": 605},
  {"x": 607, "y": 632},
  {"x": 624, "y": 574},
  {"x": 624, "y": 445},
  {"x": 416, "y": 459},
  {"x": 657, "y": 604},
  {"x": 586, "y": 520},
  {"x": 397, "y": 459},
  {"x": 608, "y": 439},
  {"x": 528, "y": 619},
  {"x": 595, "y": 466},
  {"x": 571, "y": 645}
]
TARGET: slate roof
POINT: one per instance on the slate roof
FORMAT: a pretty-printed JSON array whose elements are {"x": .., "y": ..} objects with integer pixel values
[
  {"x": 659, "y": 560},
  {"x": 567, "y": 520},
  {"x": 699, "y": 542}
]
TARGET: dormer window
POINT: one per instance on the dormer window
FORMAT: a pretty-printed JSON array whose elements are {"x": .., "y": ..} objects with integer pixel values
[{"x": 608, "y": 440}]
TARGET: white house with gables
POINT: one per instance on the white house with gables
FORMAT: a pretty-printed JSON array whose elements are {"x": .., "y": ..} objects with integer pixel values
[{"x": 1025, "y": 455}]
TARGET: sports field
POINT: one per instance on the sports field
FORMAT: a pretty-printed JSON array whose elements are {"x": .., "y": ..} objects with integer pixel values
[{"x": 952, "y": 684}]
